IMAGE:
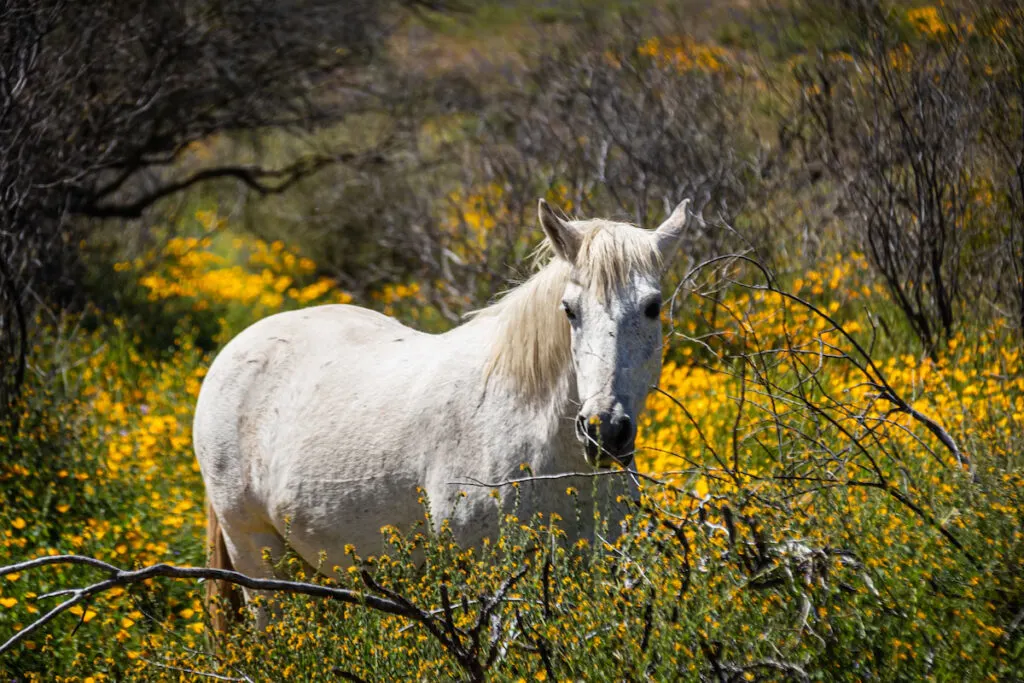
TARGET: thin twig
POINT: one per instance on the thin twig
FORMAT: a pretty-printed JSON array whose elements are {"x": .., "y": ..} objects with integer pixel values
[{"x": 194, "y": 672}]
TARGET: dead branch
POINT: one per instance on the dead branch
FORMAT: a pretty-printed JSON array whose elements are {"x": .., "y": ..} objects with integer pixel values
[
  {"x": 260, "y": 180},
  {"x": 464, "y": 646},
  {"x": 122, "y": 577}
]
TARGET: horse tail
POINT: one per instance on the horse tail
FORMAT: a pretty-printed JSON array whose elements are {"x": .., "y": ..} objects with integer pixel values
[{"x": 223, "y": 599}]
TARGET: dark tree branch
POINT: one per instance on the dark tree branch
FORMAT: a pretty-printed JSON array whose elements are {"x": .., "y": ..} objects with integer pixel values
[{"x": 256, "y": 178}]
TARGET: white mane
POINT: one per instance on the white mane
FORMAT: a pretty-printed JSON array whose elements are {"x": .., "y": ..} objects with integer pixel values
[{"x": 532, "y": 344}]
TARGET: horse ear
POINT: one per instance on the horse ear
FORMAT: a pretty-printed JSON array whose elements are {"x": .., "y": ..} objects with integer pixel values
[
  {"x": 563, "y": 237},
  {"x": 668, "y": 235}
]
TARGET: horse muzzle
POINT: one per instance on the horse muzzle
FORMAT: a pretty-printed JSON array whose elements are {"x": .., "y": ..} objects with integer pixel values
[{"x": 607, "y": 439}]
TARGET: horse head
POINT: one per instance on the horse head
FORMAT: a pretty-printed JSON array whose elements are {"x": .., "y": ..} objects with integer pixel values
[{"x": 612, "y": 301}]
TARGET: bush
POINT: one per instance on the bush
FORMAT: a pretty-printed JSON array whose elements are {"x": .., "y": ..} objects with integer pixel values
[{"x": 894, "y": 118}]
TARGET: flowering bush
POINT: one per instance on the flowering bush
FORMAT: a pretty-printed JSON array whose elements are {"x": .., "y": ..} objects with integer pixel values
[
  {"x": 223, "y": 282},
  {"x": 784, "y": 538}
]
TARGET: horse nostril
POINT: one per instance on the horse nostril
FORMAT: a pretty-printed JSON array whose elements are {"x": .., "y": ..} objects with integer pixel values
[
  {"x": 612, "y": 432},
  {"x": 619, "y": 431}
]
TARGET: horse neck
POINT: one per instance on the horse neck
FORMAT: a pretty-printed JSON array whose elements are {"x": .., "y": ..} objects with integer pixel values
[
  {"x": 557, "y": 408},
  {"x": 561, "y": 410},
  {"x": 550, "y": 415},
  {"x": 547, "y": 409}
]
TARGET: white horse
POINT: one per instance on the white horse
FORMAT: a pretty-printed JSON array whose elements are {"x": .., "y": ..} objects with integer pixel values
[{"x": 319, "y": 426}]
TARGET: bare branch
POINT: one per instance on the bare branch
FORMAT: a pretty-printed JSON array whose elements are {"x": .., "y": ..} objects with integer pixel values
[
  {"x": 122, "y": 577},
  {"x": 196, "y": 672},
  {"x": 254, "y": 177}
]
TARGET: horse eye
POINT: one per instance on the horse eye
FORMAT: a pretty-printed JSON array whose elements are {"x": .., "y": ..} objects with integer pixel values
[
  {"x": 569, "y": 313},
  {"x": 653, "y": 309}
]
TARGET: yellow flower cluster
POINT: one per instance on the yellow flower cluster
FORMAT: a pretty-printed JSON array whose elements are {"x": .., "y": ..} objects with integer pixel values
[
  {"x": 390, "y": 296},
  {"x": 778, "y": 412},
  {"x": 683, "y": 54},
  {"x": 126, "y": 489},
  {"x": 472, "y": 216},
  {"x": 125, "y": 486},
  {"x": 269, "y": 278},
  {"x": 927, "y": 20}
]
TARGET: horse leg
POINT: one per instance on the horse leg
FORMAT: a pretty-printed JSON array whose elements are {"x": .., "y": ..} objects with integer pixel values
[
  {"x": 254, "y": 554},
  {"x": 223, "y": 600}
]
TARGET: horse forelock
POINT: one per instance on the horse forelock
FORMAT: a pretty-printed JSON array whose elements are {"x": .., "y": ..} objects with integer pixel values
[
  {"x": 611, "y": 253},
  {"x": 532, "y": 345}
]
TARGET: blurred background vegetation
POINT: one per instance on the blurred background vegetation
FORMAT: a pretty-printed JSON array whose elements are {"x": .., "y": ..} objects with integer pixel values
[{"x": 839, "y": 438}]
